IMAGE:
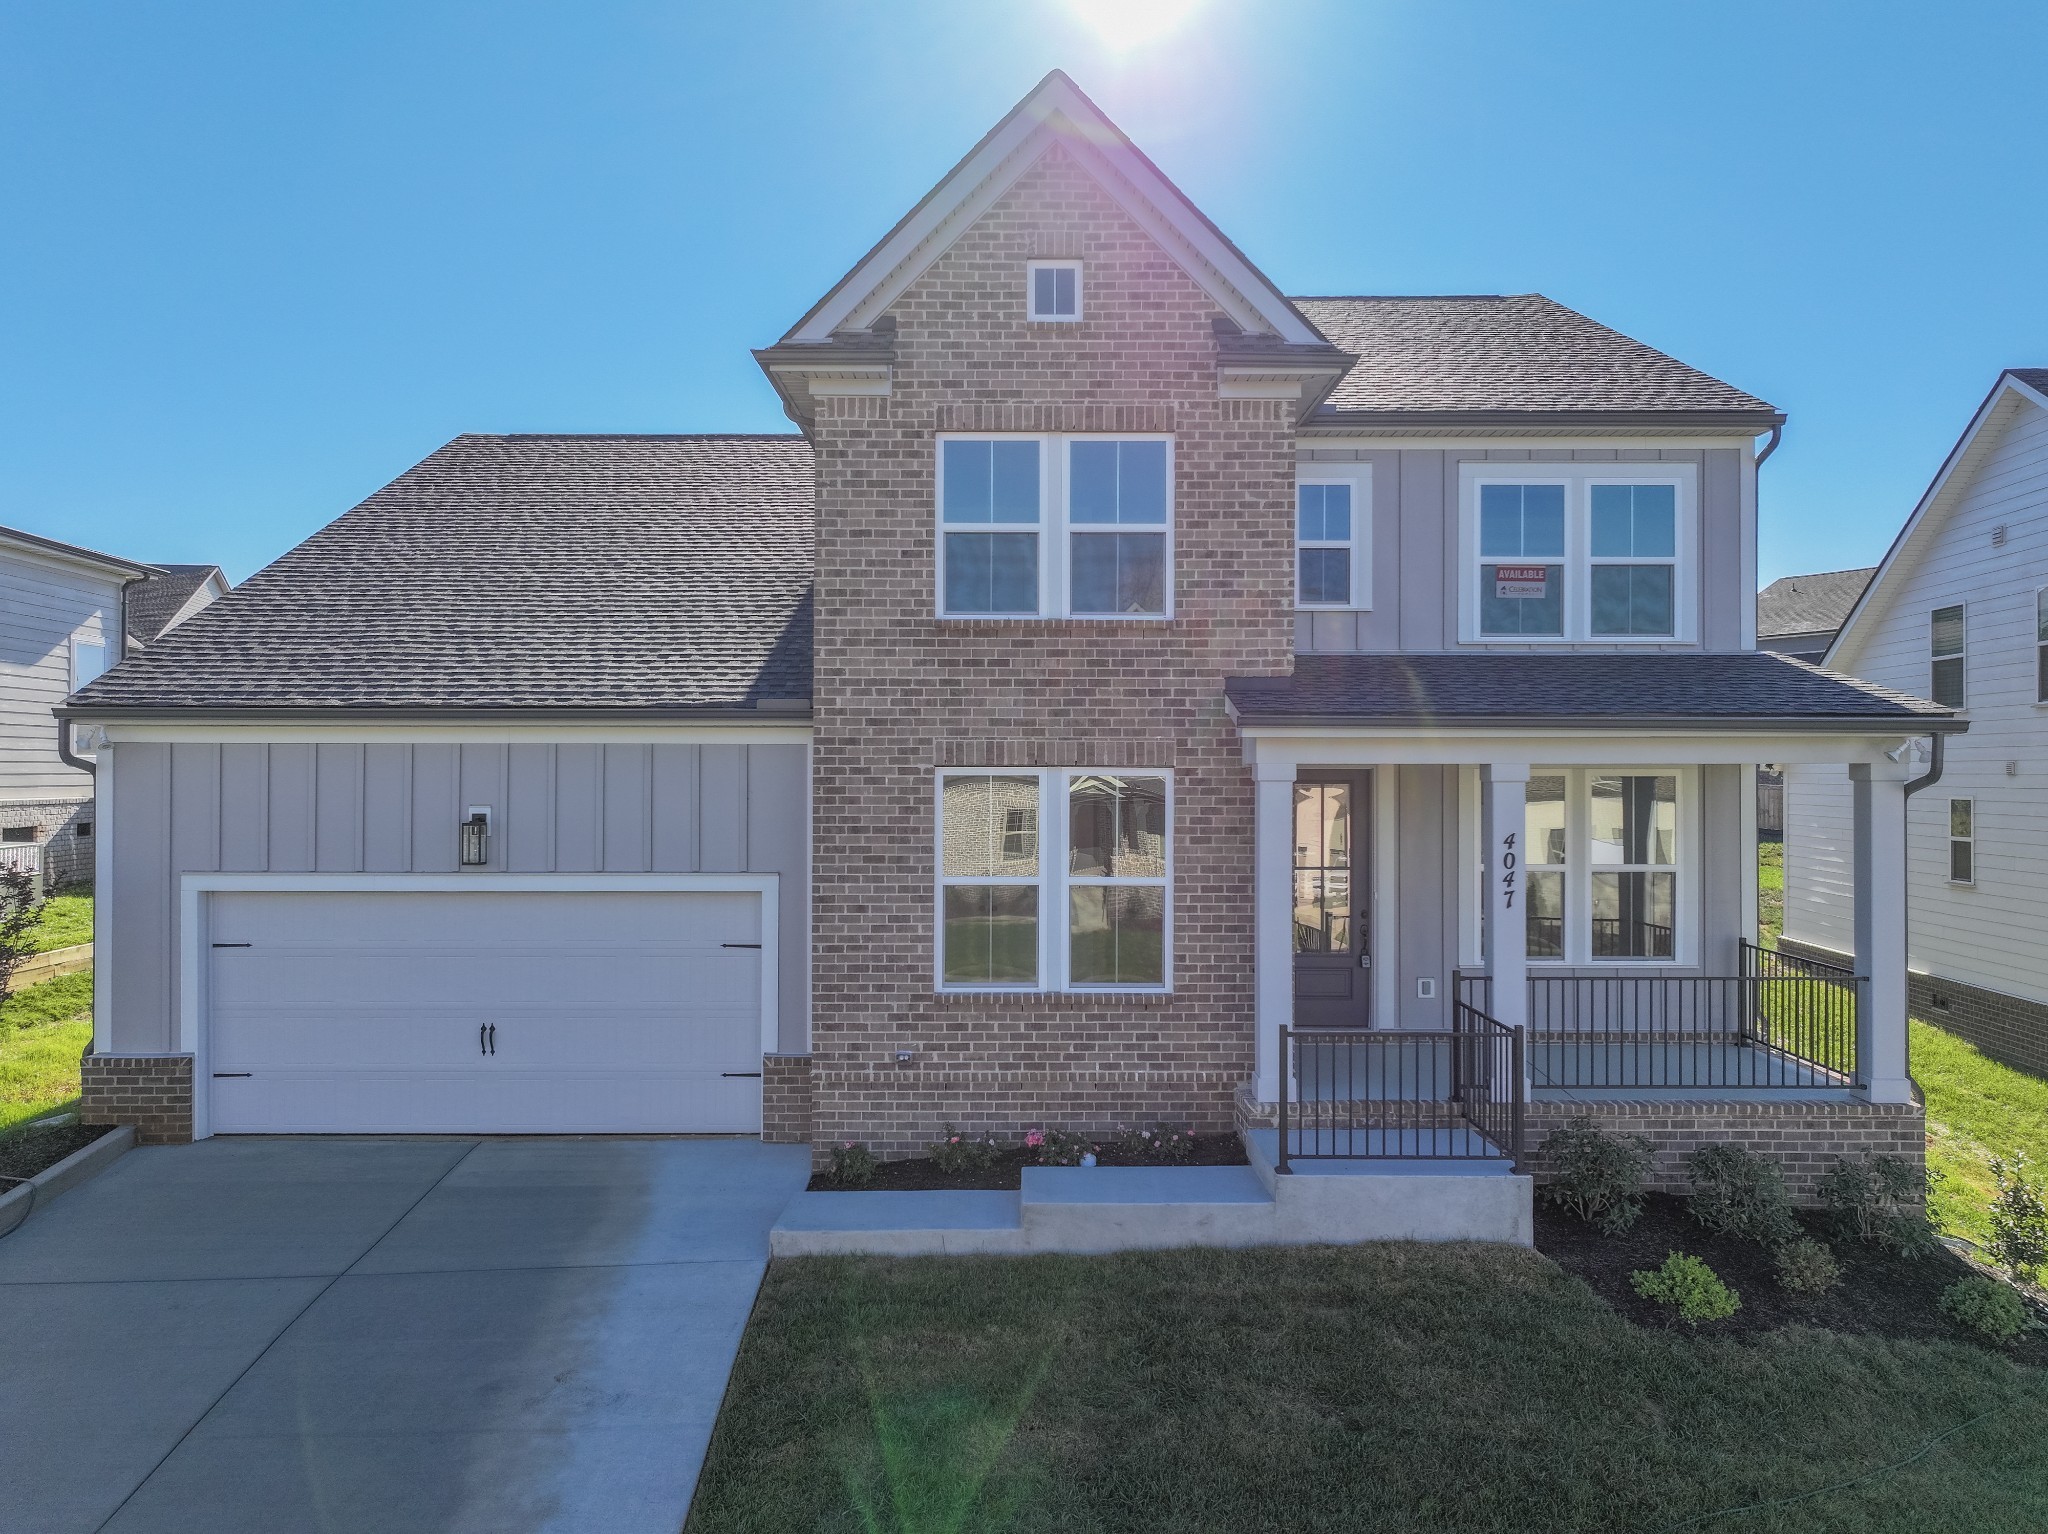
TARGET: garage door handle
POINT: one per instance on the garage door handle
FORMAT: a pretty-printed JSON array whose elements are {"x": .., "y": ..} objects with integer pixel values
[
  {"x": 231, "y": 945},
  {"x": 480, "y": 1028},
  {"x": 750, "y": 1075},
  {"x": 494, "y": 1038},
  {"x": 739, "y": 945},
  {"x": 218, "y": 1075}
]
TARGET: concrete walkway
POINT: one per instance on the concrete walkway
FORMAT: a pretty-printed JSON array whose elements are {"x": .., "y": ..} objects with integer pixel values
[{"x": 285, "y": 1335}]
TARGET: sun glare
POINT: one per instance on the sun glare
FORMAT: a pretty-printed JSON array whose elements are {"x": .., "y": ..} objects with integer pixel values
[{"x": 1127, "y": 23}]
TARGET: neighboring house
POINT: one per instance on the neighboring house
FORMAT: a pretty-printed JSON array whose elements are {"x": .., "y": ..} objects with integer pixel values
[
  {"x": 1124, "y": 665},
  {"x": 168, "y": 598},
  {"x": 60, "y": 622},
  {"x": 1799, "y": 615},
  {"x": 1958, "y": 612}
]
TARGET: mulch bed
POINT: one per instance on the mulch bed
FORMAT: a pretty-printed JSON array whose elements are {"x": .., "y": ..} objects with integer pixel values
[
  {"x": 921, "y": 1175},
  {"x": 23, "y": 1153},
  {"x": 1880, "y": 1294}
]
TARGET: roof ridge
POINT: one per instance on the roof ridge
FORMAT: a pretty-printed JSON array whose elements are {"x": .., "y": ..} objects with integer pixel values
[
  {"x": 1388, "y": 298},
  {"x": 631, "y": 436}
]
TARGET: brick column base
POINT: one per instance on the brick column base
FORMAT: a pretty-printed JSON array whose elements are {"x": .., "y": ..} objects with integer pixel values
[
  {"x": 786, "y": 1099},
  {"x": 152, "y": 1092}
]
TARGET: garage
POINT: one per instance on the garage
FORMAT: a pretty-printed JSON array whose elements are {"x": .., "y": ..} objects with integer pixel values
[{"x": 495, "y": 1011}]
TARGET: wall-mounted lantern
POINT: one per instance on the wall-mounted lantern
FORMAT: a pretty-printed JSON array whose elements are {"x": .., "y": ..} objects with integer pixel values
[{"x": 476, "y": 837}]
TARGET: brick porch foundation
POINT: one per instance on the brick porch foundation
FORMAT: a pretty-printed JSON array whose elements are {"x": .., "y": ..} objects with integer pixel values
[{"x": 152, "y": 1092}]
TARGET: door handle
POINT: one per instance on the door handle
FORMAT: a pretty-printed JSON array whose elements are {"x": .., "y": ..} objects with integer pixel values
[{"x": 494, "y": 1038}]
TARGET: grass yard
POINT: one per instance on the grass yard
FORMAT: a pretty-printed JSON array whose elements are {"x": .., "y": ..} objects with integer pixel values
[
  {"x": 1393, "y": 1387},
  {"x": 1976, "y": 1109},
  {"x": 1770, "y": 891},
  {"x": 43, "y": 1031},
  {"x": 67, "y": 922}
]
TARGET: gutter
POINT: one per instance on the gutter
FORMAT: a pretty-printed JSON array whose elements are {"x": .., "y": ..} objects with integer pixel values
[
  {"x": 1801, "y": 724},
  {"x": 771, "y": 712},
  {"x": 1770, "y": 447},
  {"x": 1936, "y": 761}
]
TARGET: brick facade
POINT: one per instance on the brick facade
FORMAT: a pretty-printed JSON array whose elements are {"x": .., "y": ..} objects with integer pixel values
[
  {"x": 2010, "y": 1029},
  {"x": 786, "y": 1099},
  {"x": 67, "y": 856},
  {"x": 899, "y": 692},
  {"x": 152, "y": 1092}
]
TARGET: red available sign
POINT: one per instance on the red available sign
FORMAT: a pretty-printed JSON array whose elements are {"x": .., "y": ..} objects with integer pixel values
[{"x": 1521, "y": 581}]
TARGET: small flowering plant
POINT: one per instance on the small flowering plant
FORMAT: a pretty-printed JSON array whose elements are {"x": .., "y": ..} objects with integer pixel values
[
  {"x": 1162, "y": 1143},
  {"x": 1057, "y": 1147},
  {"x": 956, "y": 1151},
  {"x": 853, "y": 1165}
]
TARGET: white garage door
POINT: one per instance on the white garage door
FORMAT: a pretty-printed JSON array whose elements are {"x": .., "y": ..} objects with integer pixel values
[{"x": 488, "y": 1012}]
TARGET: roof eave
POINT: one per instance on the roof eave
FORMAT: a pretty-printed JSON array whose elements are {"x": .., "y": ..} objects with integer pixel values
[
  {"x": 1434, "y": 422},
  {"x": 1856, "y": 724},
  {"x": 799, "y": 712}
]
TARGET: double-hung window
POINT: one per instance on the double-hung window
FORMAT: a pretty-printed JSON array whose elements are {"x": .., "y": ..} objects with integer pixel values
[
  {"x": 1054, "y": 880},
  {"x": 1602, "y": 866},
  {"x": 1567, "y": 552},
  {"x": 1055, "y": 527},
  {"x": 2041, "y": 645},
  {"x": 1945, "y": 641},
  {"x": 1332, "y": 543},
  {"x": 1962, "y": 841}
]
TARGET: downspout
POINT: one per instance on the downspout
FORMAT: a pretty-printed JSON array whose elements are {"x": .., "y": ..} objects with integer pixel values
[
  {"x": 65, "y": 754},
  {"x": 1937, "y": 755},
  {"x": 1770, "y": 447}
]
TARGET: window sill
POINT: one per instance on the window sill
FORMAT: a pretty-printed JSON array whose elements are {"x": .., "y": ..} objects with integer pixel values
[
  {"x": 1055, "y": 1001},
  {"x": 1310, "y": 609},
  {"x": 1046, "y": 625}
]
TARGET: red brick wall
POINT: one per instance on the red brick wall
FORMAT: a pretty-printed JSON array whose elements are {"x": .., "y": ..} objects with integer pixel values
[
  {"x": 786, "y": 1099},
  {"x": 152, "y": 1092},
  {"x": 899, "y": 692}
]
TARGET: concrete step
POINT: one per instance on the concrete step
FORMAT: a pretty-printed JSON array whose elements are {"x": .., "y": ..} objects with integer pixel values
[
  {"x": 930, "y": 1224},
  {"x": 1138, "y": 1208}
]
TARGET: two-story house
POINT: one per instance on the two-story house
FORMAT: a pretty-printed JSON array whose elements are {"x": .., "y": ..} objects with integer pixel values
[
  {"x": 1958, "y": 612},
  {"x": 1134, "y": 695}
]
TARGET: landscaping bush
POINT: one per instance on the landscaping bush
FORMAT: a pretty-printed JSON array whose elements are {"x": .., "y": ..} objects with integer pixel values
[
  {"x": 1598, "y": 1176},
  {"x": 1879, "y": 1201},
  {"x": 853, "y": 1165},
  {"x": 1807, "y": 1266},
  {"x": 956, "y": 1152},
  {"x": 1162, "y": 1142},
  {"x": 1057, "y": 1147},
  {"x": 1739, "y": 1193},
  {"x": 1986, "y": 1307},
  {"x": 1690, "y": 1287},
  {"x": 2019, "y": 1220},
  {"x": 19, "y": 918}
]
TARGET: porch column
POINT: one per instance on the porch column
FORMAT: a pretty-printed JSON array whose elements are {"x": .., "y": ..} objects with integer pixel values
[
  {"x": 1507, "y": 931},
  {"x": 1879, "y": 800},
  {"x": 1273, "y": 920}
]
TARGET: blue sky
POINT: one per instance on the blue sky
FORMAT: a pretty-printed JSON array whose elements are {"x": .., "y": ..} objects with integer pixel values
[{"x": 258, "y": 258}]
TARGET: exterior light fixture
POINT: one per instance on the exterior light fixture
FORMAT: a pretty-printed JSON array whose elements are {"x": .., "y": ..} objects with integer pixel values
[{"x": 476, "y": 837}]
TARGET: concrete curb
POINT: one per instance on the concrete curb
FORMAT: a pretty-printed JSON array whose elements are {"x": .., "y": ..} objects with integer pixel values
[
  {"x": 53, "y": 965},
  {"x": 81, "y": 1165}
]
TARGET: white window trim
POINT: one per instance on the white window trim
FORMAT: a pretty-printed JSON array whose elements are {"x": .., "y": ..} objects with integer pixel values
[
  {"x": 87, "y": 642},
  {"x": 1577, "y": 480},
  {"x": 1053, "y": 882},
  {"x": 1055, "y": 593},
  {"x": 2040, "y": 649},
  {"x": 1962, "y": 655},
  {"x": 1360, "y": 541},
  {"x": 1949, "y": 840},
  {"x": 1031, "y": 271},
  {"x": 1579, "y": 869}
]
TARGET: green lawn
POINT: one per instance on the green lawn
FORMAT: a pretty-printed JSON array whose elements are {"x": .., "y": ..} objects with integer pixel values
[
  {"x": 67, "y": 921},
  {"x": 1770, "y": 891},
  {"x": 1392, "y": 1387},
  {"x": 1976, "y": 1109},
  {"x": 43, "y": 1031}
]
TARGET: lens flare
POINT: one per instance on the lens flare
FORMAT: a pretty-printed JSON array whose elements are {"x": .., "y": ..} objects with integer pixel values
[{"x": 1125, "y": 24}]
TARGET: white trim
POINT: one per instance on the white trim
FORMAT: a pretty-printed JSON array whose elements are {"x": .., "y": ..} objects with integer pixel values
[
  {"x": 1358, "y": 479},
  {"x": 192, "y": 933},
  {"x": 81, "y": 641},
  {"x": 1052, "y": 882},
  {"x": 1422, "y": 745},
  {"x": 1310, "y": 439},
  {"x": 1383, "y": 912},
  {"x": 1031, "y": 311},
  {"x": 104, "y": 900},
  {"x": 1962, "y": 652},
  {"x": 1950, "y": 838},
  {"x": 1748, "y": 498},
  {"x": 776, "y": 733},
  {"x": 1579, "y": 869}
]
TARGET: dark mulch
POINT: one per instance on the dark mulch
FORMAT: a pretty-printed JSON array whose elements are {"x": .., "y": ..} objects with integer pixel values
[
  {"x": 1007, "y": 1174},
  {"x": 1880, "y": 1294},
  {"x": 23, "y": 1153}
]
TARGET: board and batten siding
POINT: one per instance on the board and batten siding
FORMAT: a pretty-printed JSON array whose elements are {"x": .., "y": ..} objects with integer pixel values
[
  {"x": 44, "y": 607},
  {"x": 1992, "y": 934},
  {"x": 394, "y": 807},
  {"x": 1416, "y": 569}
]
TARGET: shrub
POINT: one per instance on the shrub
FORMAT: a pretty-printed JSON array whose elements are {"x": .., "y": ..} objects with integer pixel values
[
  {"x": 1880, "y": 1202},
  {"x": 2019, "y": 1220},
  {"x": 1690, "y": 1287},
  {"x": 853, "y": 1165},
  {"x": 1599, "y": 1176},
  {"x": 956, "y": 1152},
  {"x": 1162, "y": 1142},
  {"x": 1739, "y": 1193},
  {"x": 19, "y": 917},
  {"x": 1057, "y": 1147},
  {"x": 1985, "y": 1306},
  {"x": 1807, "y": 1266}
]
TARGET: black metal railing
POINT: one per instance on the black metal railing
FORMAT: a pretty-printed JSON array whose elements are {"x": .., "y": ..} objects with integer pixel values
[
  {"x": 1402, "y": 1094},
  {"x": 1783, "y": 1023}
]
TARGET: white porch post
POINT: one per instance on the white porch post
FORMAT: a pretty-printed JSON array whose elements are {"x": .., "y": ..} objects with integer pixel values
[
  {"x": 1273, "y": 920},
  {"x": 1507, "y": 931},
  {"x": 1878, "y": 794}
]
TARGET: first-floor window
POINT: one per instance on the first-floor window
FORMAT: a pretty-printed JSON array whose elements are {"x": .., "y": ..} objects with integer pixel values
[
  {"x": 1600, "y": 865},
  {"x": 2041, "y": 645},
  {"x": 1053, "y": 880},
  {"x": 1962, "y": 841}
]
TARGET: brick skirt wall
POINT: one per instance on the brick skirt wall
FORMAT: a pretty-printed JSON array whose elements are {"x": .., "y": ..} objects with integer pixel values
[
  {"x": 152, "y": 1092},
  {"x": 2010, "y": 1029},
  {"x": 786, "y": 1099}
]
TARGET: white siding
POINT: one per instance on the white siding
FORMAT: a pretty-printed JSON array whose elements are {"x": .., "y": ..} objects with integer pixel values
[
  {"x": 44, "y": 606},
  {"x": 1994, "y": 934}
]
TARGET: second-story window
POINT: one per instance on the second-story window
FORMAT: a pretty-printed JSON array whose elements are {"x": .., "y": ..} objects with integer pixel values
[
  {"x": 1050, "y": 527},
  {"x": 1332, "y": 542},
  {"x": 2041, "y": 645},
  {"x": 1945, "y": 636},
  {"x": 1054, "y": 290},
  {"x": 1634, "y": 548}
]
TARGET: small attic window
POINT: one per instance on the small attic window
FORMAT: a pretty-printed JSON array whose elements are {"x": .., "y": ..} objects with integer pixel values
[{"x": 1054, "y": 290}]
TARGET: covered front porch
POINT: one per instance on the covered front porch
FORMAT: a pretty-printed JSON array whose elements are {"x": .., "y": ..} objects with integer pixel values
[{"x": 1466, "y": 922}]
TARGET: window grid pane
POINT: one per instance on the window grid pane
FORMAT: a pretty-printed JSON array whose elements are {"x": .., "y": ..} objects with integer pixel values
[{"x": 1946, "y": 631}]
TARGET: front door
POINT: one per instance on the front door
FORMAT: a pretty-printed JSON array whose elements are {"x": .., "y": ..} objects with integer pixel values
[{"x": 1332, "y": 904}]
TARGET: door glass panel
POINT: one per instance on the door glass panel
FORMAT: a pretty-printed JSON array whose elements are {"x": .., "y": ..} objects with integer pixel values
[{"x": 1323, "y": 916}]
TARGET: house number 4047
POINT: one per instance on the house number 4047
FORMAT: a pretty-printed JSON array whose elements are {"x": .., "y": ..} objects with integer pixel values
[{"x": 1507, "y": 871}]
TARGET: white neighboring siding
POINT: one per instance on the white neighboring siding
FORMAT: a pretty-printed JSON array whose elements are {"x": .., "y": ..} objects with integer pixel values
[
  {"x": 1994, "y": 934},
  {"x": 1820, "y": 853},
  {"x": 43, "y": 607}
]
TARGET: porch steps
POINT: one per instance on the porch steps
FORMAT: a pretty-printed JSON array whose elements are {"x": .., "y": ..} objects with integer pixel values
[{"x": 1121, "y": 1209}]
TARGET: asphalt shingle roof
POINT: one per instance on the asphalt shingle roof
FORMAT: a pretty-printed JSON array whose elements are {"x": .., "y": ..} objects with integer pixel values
[
  {"x": 1450, "y": 689},
  {"x": 1810, "y": 604},
  {"x": 156, "y": 601},
  {"x": 1485, "y": 353},
  {"x": 582, "y": 573}
]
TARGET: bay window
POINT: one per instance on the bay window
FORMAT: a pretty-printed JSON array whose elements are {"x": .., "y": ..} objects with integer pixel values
[
  {"x": 1053, "y": 880},
  {"x": 1057, "y": 526},
  {"x": 1603, "y": 871}
]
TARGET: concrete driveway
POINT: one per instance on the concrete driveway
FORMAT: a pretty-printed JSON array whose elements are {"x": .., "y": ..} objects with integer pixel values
[{"x": 283, "y": 1335}]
